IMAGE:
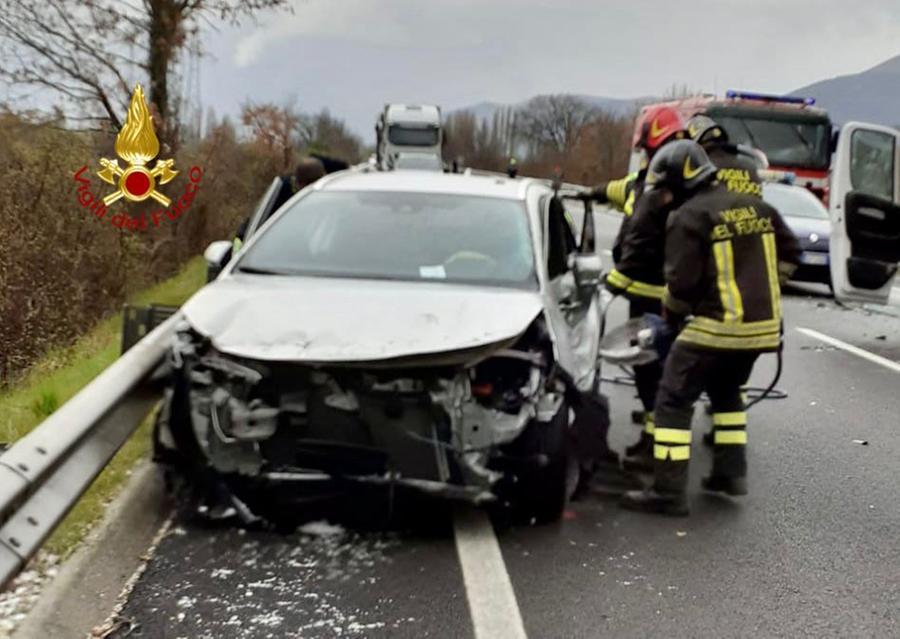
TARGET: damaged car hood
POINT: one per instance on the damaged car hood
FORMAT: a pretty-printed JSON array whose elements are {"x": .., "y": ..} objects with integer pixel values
[{"x": 314, "y": 319}]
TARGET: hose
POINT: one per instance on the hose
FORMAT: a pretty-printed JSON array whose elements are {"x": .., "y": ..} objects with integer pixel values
[{"x": 755, "y": 393}]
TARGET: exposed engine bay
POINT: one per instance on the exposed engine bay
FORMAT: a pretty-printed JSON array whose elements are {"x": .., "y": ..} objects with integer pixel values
[{"x": 462, "y": 425}]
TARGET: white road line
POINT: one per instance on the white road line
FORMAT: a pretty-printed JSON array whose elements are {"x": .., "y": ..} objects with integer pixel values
[
  {"x": 872, "y": 357},
  {"x": 492, "y": 601}
]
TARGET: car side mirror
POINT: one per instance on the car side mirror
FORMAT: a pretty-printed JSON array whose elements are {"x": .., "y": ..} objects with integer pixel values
[{"x": 216, "y": 256}]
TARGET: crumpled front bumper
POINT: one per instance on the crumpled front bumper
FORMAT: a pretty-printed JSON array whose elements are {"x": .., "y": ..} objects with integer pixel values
[{"x": 316, "y": 431}]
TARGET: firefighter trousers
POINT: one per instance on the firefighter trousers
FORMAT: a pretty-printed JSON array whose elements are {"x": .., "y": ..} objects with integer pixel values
[
  {"x": 688, "y": 372},
  {"x": 646, "y": 376}
]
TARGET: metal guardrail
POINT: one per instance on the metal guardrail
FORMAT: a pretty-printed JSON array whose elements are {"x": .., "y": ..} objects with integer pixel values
[{"x": 44, "y": 474}]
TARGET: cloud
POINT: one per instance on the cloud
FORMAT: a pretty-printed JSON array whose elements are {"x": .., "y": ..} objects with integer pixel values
[
  {"x": 353, "y": 55},
  {"x": 391, "y": 23}
]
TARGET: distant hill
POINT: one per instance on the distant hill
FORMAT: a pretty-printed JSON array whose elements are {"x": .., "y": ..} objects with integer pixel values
[{"x": 870, "y": 96}]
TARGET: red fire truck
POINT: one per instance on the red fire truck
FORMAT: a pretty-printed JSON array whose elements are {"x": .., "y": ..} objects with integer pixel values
[{"x": 794, "y": 134}]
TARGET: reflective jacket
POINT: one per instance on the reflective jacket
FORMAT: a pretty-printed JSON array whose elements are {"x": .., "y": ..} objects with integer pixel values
[
  {"x": 623, "y": 193},
  {"x": 738, "y": 172},
  {"x": 640, "y": 257},
  {"x": 726, "y": 254}
]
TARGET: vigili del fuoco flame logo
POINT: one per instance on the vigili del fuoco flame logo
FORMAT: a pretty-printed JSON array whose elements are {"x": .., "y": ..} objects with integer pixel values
[{"x": 137, "y": 145}]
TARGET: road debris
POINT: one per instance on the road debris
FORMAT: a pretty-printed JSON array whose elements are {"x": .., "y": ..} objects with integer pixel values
[
  {"x": 23, "y": 592},
  {"x": 861, "y": 442}
]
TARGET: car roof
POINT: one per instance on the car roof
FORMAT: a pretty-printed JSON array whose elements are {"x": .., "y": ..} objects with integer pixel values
[{"x": 428, "y": 182}]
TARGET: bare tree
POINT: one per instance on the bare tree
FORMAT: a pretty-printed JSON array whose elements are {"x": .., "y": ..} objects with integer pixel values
[
  {"x": 554, "y": 122},
  {"x": 481, "y": 144},
  {"x": 677, "y": 91},
  {"x": 275, "y": 129},
  {"x": 89, "y": 51},
  {"x": 326, "y": 134}
]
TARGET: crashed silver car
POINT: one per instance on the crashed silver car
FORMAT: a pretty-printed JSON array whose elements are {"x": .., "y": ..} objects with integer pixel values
[{"x": 430, "y": 332}]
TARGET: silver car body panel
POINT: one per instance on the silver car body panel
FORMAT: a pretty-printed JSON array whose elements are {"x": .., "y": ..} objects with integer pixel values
[{"x": 317, "y": 320}]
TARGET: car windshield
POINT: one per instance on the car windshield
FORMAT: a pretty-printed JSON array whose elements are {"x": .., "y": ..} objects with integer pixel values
[
  {"x": 402, "y": 236},
  {"x": 786, "y": 143},
  {"x": 794, "y": 201},
  {"x": 413, "y": 136}
]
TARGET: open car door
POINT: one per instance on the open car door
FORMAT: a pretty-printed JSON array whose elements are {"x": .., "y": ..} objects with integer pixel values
[
  {"x": 264, "y": 208},
  {"x": 865, "y": 213}
]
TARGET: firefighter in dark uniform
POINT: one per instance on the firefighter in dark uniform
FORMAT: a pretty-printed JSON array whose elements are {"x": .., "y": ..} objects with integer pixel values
[
  {"x": 725, "y": 256},
  {"x": 738, "y": 168},
  {"x": 638, "y": 271}
]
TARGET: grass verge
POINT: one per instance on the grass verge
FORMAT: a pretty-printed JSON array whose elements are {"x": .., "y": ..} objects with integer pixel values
[{"x": 63, "y": 372}]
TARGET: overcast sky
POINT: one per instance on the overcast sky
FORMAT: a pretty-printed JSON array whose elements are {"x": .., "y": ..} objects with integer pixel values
[{"x": 352, "y": 56}]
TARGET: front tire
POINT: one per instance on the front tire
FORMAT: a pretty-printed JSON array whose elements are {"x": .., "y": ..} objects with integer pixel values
[{"x": 541, "y": 493}]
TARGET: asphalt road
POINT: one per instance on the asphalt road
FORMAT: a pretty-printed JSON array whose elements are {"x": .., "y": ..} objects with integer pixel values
[{"x": 813, "y": 551}]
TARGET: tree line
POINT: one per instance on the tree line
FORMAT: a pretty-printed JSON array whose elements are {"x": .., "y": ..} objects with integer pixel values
[{"x": 547, "y": 135}]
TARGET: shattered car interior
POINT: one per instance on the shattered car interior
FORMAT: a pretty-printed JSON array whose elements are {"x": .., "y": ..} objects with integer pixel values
[{"x": 437, "y": 334}]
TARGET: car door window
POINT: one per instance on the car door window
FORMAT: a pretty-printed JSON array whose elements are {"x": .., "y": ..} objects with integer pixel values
[
  {"x": 872, "y": 163},
  {"x": 561, "y": 240},
  {"x": 588, "y": 240}
]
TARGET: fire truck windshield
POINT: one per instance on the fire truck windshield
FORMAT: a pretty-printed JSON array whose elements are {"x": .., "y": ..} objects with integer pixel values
[{"x": 790, "y": 142}]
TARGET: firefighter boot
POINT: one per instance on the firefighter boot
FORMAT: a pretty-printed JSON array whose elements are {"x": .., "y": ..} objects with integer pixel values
[
  {"x": 639, "y": 456},
  {"x": 734, "y": 486},
  {"x": 729, "y": 471},
  {"x": 667, "y": 496}
]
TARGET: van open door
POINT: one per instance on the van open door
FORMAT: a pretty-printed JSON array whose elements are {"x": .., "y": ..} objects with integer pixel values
[{"x": 865, "y": 213}]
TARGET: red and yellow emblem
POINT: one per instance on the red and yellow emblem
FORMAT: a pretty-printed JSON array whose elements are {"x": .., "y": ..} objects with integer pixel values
[{"x": 137, "y": 145}]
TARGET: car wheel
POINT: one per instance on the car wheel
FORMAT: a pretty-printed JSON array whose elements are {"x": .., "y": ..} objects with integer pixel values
[{"x": 540, "y": 493}]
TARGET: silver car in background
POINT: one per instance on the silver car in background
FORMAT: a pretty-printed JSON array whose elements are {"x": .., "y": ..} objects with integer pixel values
[{"x": 808, "y": 218}]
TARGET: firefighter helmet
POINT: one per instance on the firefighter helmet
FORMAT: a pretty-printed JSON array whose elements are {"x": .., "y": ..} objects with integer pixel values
[
  {"x": 703, "y": 129},
  {"x": 681, "y": 166},
  {"x": 660, "y": 124}
]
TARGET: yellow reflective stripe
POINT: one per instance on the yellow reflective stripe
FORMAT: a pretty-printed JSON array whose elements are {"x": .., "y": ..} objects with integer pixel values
[
  {"x": 672, "y": 436},
  {"x": 691, "y": 335},
  {"x": 727, "y": 437},
  {"x": 673, "y": 453},
  {"x": 716, "y": 327},
  {"x": 744, "y": 397},
  {"x": 615, "y": 191},
  {"x": 649, "y": 424},
  {"x": 728, "y": 289},
  {"x": 646, "y": 290},
  {"x": 629, "y": 204},
  {"x": 236, "y": 244},
  {"x": 679, "y": 453},
  {"x": 618, "y": 280},
  {"x": 768, "y": 240},
  {"x": 618, "y": 195},
  {"x": 737, "y": 418}
]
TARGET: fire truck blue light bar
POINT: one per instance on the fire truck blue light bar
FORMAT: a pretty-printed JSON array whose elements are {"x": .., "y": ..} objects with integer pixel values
[{"x": 786, "y": 99}]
